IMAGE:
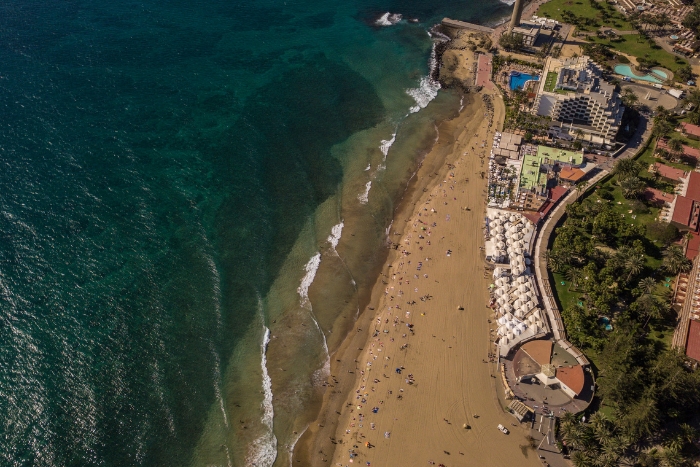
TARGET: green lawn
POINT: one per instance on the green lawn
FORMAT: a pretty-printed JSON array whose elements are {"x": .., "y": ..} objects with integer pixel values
[
  {"x": 587, "y": 17},
  {"x": 551, "y": 81},
  {"x": 565, "y": 297},
  {"x": 636, "y": 45},
  {"x": 647, "y": 157}
]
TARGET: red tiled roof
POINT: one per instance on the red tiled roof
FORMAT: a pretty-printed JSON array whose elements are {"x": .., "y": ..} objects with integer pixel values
[
  {"x": 694, "y": 186},
  {"x": 657, "y": 196},
  {"x": 572, "y": 376},
  {"x": 693, "y": 247},
  {"x": 557, "y": 192},
  {"x": 533, "y": 217},
  {"x": 669, "y": 172},
  {"x": 681, "y": 213},
  {"x": 691, "y": 129},
  {"x": 687, "y": 150},
  {"x": 692, "y": 349},
  {"x": 539, "y": 350}
]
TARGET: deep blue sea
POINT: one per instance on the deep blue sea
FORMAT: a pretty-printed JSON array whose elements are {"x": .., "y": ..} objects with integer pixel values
[{"x": 174, "y": 178}]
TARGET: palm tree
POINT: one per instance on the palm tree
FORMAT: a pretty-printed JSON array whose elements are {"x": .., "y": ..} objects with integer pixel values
[
  {"x": 647, "y": 285},
  {"x": 634, "y": 265},
  {"x": 675, "y": 261},
  {"x": 625, "y": 168},
  {"x": 573, "y": 275},
  {"x": 629, "y": 98},
  {"x": 676, "y": 147},
  {"x": 632, "y": 187}
]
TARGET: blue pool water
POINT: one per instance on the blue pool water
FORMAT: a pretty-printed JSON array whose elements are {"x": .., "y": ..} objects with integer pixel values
[
  {"x": 518, "y": 81},
  {"x": 661, "y": 73},
  {"x": 625, "y": 70}
]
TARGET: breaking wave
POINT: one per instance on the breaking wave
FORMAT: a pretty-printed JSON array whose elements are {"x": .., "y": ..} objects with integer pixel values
[
  {"x": 428, "y": 88},
  {"x": 388, "y": 19},
  {"x": 336, "y": 232},
  {"x": 263, "y": 451},
  {"x": 364, "y": 197},
  {"x": 308, "y": 279},
  {"x": 386, "y": 145}
]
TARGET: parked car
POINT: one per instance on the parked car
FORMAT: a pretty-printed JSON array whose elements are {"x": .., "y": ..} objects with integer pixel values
[{"x": 503, "y": 429}]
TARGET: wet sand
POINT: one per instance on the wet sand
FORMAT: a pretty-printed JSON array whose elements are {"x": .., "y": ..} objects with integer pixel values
[{"x": 413, "y": 323}]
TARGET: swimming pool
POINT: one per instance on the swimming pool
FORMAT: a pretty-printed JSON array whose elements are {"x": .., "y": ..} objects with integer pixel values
[
  {"x": 625, "y": 70},
  {"x": 658, "y": 72},
  {"x": 517, "y": 80}
]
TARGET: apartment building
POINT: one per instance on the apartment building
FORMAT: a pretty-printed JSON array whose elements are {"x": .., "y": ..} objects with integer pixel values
[{"x": 579, "y": 101}]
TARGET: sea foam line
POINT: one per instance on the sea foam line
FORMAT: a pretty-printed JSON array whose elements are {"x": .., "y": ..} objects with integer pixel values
[
  {"x": 303, "y": 290},
  {"x": 364, "y": 197},
  {"x": 386, "y": 144},
  {"x": 263, "y": 451},
  {"x": 335, "y": 235}
]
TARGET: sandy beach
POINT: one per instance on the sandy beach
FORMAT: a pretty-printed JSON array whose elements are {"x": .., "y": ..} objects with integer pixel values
[{"x": 416, "y": 368}]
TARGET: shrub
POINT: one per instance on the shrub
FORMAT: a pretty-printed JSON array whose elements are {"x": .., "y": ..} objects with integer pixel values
[
  {"x": 638, "y": 207},
  {"x": 662, "y": 232},
  {"x": 622, "y": 59}
]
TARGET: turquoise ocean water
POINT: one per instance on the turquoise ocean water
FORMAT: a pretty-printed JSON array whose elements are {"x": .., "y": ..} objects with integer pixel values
[{"x": 192, "y": 198}]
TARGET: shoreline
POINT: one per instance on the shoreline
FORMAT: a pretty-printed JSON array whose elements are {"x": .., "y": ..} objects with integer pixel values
[
  {"x": 403, "y": 427},
  {"x": 343, "y": 359}
]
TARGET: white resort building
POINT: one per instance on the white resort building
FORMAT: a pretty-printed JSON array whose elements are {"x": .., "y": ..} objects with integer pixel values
[{"x": 573, "y": 93}]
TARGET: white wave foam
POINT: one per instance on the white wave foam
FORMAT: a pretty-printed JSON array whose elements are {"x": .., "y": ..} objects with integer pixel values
[
  {"x": 321, "y": 375},
  {"x": 508, "y": 2},
  {"x": 292, "y": 444},
  {"x": 386, "y": 144},
  {"x": 369, "y": 166},
  {"x": 364, "y": 197},
  {"x": 263, "y": 451},
  {"x": 423, "y": 94},
  {"x": 306, "y": 281},
  {"x": 336, "y": 232},
  {"x": 217, "y": 388},
  {"x": 428, "y": 88},
  {"x": 388, "y": 19}
]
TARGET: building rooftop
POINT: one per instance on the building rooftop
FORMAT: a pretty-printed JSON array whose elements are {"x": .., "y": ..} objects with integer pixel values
[
  {"x": 693, "y": 190},
  {"x": 571, "y": 175},
  {"x": 670, "y": 173},
  {"x": 688, "y": 151},
  {"x": 692, "y": 349},
  {"x": 572, "y": 376},
  {"x": 684, "y": 212},
  {"x": 690, "y": 129},
  {"x": 539, "y": 350},
  {"x": 657, "y": 196},
  {"x": 530, "y": 175},
  {"x": 693, "y": 247}
]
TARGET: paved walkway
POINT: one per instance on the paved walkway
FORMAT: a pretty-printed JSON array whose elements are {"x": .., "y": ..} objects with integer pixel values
[{"x": 483, "y": 73}]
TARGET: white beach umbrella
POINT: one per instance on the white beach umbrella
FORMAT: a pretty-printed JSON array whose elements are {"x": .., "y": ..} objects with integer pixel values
[
  {"x": 518, "y": 303},
  {"x": 518, "y": 314},
  {"x": 523, "y": 287}
]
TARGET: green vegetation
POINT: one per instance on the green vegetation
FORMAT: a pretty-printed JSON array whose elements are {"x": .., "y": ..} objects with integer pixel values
[
  {"x": 611, "y": 261},
  {"x": 512, "y": 41},
  {"x": 640, "y": 47},
  {"x": 551, "y": 81},
  {"x": 585, "y": 14}
]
